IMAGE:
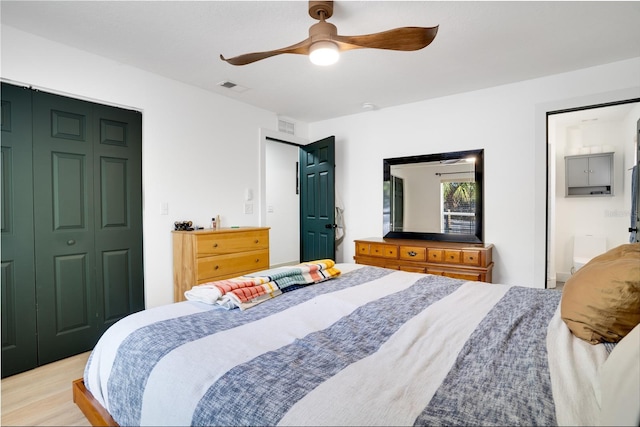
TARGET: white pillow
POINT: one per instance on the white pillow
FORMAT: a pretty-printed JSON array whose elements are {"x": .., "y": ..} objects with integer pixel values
[{"x": 620, "y": 383}]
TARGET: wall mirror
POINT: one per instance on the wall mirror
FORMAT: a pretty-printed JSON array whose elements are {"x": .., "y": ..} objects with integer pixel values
[{"x": 434, "y": 197}]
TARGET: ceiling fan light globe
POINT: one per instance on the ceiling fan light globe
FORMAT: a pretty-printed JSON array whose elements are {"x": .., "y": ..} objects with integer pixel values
[{"x": 324, "y": 53}]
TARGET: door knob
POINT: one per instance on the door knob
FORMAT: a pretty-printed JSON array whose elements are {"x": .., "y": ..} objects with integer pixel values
[
  {"x": 331, "y": 226},
  {"x": 71, "y": 242}
]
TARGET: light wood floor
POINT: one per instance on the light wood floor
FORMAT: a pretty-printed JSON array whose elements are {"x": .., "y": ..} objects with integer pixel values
[{"x": 42, "y": 396}]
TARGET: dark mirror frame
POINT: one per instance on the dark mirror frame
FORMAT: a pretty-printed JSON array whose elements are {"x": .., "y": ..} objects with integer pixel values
[{"x": 478, "y": 236}]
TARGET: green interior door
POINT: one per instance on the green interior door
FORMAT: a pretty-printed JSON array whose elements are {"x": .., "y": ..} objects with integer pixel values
[
  {"x": 317, "y": 200},
  {"x": 19, "y": 340}
]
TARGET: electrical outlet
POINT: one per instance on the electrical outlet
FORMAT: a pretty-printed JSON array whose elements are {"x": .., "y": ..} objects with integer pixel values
[
  {"x": 248, "y": 208},
  {"x": 164, "y": 208}
]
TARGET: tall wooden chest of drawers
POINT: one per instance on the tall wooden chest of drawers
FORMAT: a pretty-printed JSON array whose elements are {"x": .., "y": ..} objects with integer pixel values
[
  {"x": 202, "y": 256},
  {"x": 468, "y": 261}
]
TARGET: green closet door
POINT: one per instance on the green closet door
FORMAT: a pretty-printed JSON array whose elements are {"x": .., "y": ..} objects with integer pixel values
[
  {"x": 118, "y": 213},
  {"x": 64, "y": 226},
  {"x": 19, "y": 349}
]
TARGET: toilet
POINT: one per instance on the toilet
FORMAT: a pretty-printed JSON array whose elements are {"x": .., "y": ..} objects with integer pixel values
[{"x": 585, "y": 248}]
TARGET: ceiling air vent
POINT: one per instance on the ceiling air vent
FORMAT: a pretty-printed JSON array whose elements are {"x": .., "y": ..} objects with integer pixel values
[
  {"x": 286, "y": 127},
  {"x": 231, "y": 85}
]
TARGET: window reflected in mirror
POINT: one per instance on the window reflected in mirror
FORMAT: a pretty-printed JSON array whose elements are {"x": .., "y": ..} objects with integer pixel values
[{"x": 435, "y": 197}]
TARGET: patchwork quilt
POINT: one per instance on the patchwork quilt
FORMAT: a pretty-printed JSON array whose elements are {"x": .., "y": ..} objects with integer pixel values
[{"x": 247, "y": 291}]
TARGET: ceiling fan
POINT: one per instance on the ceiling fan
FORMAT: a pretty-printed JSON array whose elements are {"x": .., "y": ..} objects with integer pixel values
[{"x": 324, "y": 43}]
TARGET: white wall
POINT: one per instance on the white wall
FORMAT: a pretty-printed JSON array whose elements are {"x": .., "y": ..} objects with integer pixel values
[
  {"x": 283, "y": 212},
  {"x": 508, "y": 121},
  {"x": 188, "y": 137}
]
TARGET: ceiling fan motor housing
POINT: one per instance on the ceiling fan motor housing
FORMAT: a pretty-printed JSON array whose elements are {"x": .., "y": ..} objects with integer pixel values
[
  {"x": 317, "y": 8},
  {"x": 322, "y": 31}
]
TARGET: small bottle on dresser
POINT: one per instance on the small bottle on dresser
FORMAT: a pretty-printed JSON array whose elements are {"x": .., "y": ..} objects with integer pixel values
[{"x": 214, "y": 225}]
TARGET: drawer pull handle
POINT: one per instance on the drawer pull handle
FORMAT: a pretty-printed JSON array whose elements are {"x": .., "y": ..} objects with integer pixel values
[
  {"x": 215, "y": 245},
  {"x": 412, "y": 253},
  {"x": 256, "y": 241},
  {"x": 470, "y": 258},
  {"x": 216, "y": 267},
  {"x": 451, "y": 256},
  {"x": 257, "y": 259}
]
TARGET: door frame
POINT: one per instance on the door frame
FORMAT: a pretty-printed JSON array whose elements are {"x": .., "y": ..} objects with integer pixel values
[
  {"x": 266, "y": 135},
  {"x": 262, "y": 166},
  {"x": 543, "y": 222}
]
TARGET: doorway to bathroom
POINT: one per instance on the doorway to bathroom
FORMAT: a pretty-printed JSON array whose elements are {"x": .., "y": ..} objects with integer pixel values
[{"x": 579, "y": 208}]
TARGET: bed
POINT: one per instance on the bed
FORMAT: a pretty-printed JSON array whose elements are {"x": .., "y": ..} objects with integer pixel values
[{"x": 371, "y": 347}]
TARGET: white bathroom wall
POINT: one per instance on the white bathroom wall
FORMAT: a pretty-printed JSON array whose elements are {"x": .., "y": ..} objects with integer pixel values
[
  {"x": 508, "y": 121},
  {"x": 199, "y": 149},
  {"x": 599, "y": 216}
]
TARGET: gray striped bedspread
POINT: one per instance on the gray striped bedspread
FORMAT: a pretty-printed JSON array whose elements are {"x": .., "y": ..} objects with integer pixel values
[{"x": 373, "y": 347}]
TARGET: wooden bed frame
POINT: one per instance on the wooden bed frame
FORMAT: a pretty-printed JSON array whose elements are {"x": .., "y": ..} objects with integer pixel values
[{"x": 90, "y": 407}]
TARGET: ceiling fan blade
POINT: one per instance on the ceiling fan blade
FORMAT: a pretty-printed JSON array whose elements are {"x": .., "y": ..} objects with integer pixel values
[
  {"x": 405, "y": 38},
  {"x": 301, "y": 48}
]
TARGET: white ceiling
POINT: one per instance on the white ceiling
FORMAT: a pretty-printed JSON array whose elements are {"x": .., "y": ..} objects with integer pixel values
[{"x": 479, "y": 44}]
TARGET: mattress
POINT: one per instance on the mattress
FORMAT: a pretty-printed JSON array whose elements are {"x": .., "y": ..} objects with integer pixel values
[{"x": 371, "y": 347}]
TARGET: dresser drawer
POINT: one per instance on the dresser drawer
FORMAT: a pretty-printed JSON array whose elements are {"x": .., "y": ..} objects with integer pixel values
[
  {"x": 224, "y": 266},
  {"x": 385, "y": 251},
  {"x": 215, "y": 244},
  {"x": 413, "y": 269},
  {"x": 435, "y": 255},
  {"x": 452, "y": 256},
  {"x": 413, "y": 253},
  {"x": 470, "y": 257},
  {"x": 363, "y": 249},
  {"x": 458, "y": 274}
]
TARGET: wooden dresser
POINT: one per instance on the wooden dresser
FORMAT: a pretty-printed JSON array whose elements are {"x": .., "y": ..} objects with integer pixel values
[
  {"x": 202, "y": 256},
  {"x": 468, "y": 261}
]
